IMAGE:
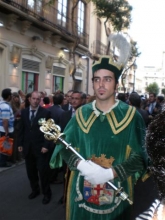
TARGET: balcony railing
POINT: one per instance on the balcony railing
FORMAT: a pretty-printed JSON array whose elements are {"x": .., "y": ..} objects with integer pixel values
[
  {"x": 99, "y": 47},
  {"x": 52, "y": 17}
]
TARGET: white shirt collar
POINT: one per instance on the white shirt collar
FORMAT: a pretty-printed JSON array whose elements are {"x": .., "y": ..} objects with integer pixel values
[{"x": 97, "y": 112}]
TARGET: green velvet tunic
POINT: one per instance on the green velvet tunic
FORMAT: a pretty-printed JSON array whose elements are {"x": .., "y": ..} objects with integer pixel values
[{"x": 119, "y": 134}]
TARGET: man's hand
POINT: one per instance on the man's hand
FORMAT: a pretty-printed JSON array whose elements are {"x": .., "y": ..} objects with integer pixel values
[
  {"x": 94, "y": 173},
  {"x": 20, "y": 149},
  {"x": 44, "y": 150}
]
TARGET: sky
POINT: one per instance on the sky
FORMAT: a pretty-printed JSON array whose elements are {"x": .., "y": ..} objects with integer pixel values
[{"x": 148, "y": 30}]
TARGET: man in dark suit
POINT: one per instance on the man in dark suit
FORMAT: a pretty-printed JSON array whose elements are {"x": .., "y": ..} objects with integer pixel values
[
  {"x": 68, "y": 106},
  {"x": 56, "y": 112},
  {"x": 35, "y": 147},
  {"x": 153, "y": 108},
  {"x": 135, "y": 100},
  {"x": 76, "y": 102}
]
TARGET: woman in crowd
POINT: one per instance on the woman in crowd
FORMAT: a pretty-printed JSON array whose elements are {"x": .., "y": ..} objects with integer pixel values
[{"x": 16, "y": 107}]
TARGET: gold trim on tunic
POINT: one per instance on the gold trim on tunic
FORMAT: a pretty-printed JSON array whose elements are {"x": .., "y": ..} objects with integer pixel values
[{"x": 116, "y": 126}]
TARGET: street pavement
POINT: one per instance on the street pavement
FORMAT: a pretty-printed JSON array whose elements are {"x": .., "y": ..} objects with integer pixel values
[
  {"x": 15, "y": 205},
  {"x": 14, "y": 202}
]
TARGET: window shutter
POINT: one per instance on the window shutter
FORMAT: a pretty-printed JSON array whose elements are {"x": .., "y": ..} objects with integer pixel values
[{"x": 30, "y": 65}]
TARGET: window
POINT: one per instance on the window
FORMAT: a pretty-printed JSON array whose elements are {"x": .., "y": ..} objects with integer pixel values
[
  {"x": 58, "y": 83},
  {"x": 35, "y": 5},
  {"x": 62, "y": 12},
  {"x": 29, "y": 82},
  {"x": 98, "y": 36},
  {"x": 81, "y": 17},
  {"x": 98, "y": 30},
  {"x": 30, "y": 75}
]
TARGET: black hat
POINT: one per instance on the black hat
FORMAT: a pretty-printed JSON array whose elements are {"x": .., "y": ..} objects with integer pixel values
[{"x": 118, "y": 57}]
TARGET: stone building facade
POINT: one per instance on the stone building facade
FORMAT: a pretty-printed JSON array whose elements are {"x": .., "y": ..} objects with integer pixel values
[{"x": 36, "y": 44}]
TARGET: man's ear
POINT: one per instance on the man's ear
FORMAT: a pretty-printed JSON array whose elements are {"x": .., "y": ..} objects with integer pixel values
[{"x": 116, "y": 87}]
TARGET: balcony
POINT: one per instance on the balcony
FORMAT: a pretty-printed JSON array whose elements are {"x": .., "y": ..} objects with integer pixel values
[{"x": 46, "y": 18}]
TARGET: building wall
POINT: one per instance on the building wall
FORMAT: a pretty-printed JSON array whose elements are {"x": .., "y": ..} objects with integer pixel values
[
  {"x": 152, "y": 74},
  {"x": 16, "y": 45},
  {"x": 20, "y": 39}
]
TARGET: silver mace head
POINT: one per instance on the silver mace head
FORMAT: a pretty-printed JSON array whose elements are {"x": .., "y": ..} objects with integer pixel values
[{"x": 51, "y": 131}]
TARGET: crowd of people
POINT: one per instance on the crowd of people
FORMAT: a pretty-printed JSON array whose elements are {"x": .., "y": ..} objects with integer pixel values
[{"x": 19, "y": 115}]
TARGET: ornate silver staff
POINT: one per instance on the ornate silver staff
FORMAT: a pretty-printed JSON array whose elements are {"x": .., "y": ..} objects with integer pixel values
[{"x": 52, "y": 132}]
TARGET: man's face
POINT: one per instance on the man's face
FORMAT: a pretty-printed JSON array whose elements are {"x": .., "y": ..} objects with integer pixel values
[
  {"x": 152, "y": 98},
  {"x": 104, "y": 84},
  {"x": 69, "y": 97},
  {"x": 76, "y": 100},
  {"x": 35, "y": 99}
]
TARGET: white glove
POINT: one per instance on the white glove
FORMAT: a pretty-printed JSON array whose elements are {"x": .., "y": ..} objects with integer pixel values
[{"x": 94, "y": 173}]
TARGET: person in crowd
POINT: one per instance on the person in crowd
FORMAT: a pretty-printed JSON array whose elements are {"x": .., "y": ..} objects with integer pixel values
[
  {"x": 153, "y": 108},
  {"x": 145, "y": 188},
  {"x": 46, "y": 102},
  {"x": 160, "y": 99},
  {"x": 35, "y": 148},
  {"x": 127, "y": 97},
  {"x": 16, "y": 104},
  {"x": 56, "y": 115},
  {"x": 76, "y": 101},
  {"x": 88, "y": 97},
  {"x": 27, "y": 102},
  {"x": 51, "y": 99},
  {"x": 16, "y": 107},
  {"x": 68, "y": 106},
  {"x": 109, "y": 135},
  {"x": 155, "y": 144},
  {"x": 56, "y": 110},
  {"x": 143, "y": 102},
  {"x": 91, "y": 98},
  {"x": 121, "y": 96},
  {"x": 135, "y": 100},
  {"x": 6, "y": 122},
  {"x": 84, "y": 98},
  {"x": 21, "y": 96},
  {"x": 65, "y": 101},
  {"x": 43, "y": 94}
]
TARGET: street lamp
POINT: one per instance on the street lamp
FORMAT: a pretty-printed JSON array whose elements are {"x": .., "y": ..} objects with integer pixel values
[{"x": 134, "y": 79}]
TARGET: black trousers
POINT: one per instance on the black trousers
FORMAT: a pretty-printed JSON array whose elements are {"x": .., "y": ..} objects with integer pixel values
[{"x": 37, "y": 166}]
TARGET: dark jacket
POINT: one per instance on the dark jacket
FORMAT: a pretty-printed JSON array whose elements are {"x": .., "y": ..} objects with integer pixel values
[
  {"x": 56, "y": 112},
  {"x": 30, "y": 135},
  {"x": 66, "y": 107},
  {"x": 65, "y": 118},
  {"x": 144, "y": 115}
]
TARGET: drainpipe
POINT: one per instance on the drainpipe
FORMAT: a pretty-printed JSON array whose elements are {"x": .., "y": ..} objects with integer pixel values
[{"x": 87, "y": 85}]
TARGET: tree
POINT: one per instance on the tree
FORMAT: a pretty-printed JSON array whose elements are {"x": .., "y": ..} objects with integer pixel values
[
  {"x": 163, "y": 91},
  {"x": 117, "y": 12},
  {"x": 153, "y": 88}
]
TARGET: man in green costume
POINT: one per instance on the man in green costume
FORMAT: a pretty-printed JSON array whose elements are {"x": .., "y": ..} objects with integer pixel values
[{"x": 109, "y": 134}]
